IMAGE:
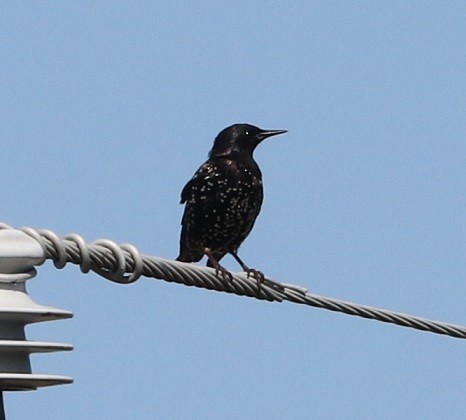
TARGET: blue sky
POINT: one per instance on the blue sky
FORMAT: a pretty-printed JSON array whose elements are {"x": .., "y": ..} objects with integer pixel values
[{"x": 107, "y": 109}]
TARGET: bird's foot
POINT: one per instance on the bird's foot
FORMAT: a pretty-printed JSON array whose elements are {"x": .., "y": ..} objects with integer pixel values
[
  {"x": 226, "y": 275},
  {"x": 258, "y": 275}
]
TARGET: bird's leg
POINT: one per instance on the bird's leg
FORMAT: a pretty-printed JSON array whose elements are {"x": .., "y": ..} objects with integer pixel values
[
  {"x": 226, "y": 275},
  {"x": 258, "y": 275}
]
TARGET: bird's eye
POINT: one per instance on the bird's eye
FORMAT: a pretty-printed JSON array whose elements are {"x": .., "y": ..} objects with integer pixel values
[{"x": 247, "y": 133}]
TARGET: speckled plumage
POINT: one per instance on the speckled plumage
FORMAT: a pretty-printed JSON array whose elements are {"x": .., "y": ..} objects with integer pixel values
[{"x": 224, "y": 197}]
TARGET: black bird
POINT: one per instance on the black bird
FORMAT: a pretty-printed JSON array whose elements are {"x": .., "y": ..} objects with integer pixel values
[{"x": 223, "y": 199}]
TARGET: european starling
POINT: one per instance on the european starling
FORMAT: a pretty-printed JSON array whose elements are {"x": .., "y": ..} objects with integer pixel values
[{"x": 223, "y": 199}]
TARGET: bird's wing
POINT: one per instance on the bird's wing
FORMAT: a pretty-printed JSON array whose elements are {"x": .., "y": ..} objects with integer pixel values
[
  {"x": 186, "y": 192},
  {"x": 195, "y": 182},
  {"x": 197, "y": 203}
]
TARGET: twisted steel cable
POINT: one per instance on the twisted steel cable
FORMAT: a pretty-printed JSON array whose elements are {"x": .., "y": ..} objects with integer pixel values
[{"x": 124, "y": 264}]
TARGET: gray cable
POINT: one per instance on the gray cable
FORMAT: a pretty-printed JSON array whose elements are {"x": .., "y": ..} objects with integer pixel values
[{"x": 124, "y": 264}]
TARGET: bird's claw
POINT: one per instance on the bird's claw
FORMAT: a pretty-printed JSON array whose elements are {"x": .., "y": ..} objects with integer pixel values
[
  {"x": 258, "y": 276},
  {"x": 226, "y": 275}
]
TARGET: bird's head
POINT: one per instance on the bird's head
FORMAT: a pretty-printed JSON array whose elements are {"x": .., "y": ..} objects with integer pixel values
[{"x": 240, "y": 140}]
